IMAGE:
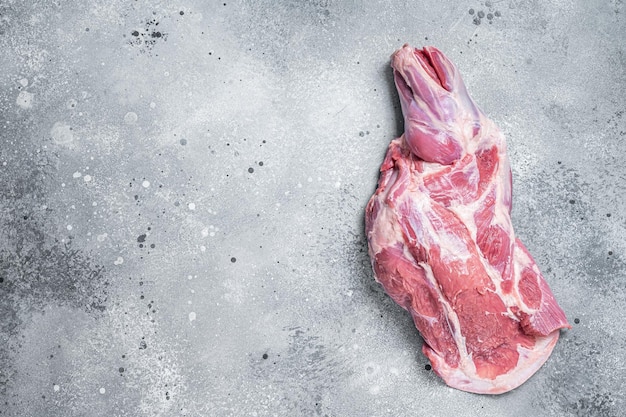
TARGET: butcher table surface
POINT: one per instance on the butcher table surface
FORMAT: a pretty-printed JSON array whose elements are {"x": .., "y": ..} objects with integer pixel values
[{"x": 182, "y": 194}]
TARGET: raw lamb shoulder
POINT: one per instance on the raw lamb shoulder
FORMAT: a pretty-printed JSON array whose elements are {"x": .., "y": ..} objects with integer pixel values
[{"x": 441, "y": 240}]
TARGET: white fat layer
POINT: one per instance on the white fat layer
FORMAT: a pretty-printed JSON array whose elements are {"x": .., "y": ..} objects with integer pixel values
[
  {"x": 430, "y": 168},
  {"x": 502, "y": 216},
  {"x": 386, "y": 230},
  {"x": 453, "y": 320},
  {"x": 489, "y": 135},
  {"x": 466, "y": 214},
  {"x": 453, "y": 248}
]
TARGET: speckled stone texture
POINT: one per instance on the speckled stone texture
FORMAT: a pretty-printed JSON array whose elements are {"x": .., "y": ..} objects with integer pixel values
[{"x": 182, "y": 192}]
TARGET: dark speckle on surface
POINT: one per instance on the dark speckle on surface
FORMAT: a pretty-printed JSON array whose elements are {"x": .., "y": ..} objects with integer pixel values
[{"x": 146, "y": 38}]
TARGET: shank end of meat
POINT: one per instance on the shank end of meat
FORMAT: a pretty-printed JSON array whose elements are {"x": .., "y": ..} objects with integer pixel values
[{"x": 441, "y": 240}]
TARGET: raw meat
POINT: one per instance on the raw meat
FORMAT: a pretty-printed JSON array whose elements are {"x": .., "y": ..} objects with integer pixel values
[{"x": 441, "y": 240}]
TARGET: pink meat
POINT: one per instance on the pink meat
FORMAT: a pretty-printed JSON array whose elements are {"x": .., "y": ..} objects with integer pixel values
[{"x": 441, "y": 240}]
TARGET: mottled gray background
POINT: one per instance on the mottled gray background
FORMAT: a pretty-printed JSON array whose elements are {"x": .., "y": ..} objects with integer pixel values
[{"x": 182, "y": 186}]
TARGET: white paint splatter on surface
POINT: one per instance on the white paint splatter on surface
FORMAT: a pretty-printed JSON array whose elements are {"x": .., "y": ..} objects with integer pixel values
[
  {"x": 130, "y": 118},
  {"x": 61, "y": 133},
  {"x": 24, "y": 100},
  {"x": 192, "y": 316}
]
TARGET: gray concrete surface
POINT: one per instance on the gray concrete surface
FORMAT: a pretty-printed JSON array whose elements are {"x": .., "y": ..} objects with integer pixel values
[{"x": 182, "y": 190}]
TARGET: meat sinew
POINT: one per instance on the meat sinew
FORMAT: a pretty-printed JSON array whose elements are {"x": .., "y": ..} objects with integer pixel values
[{"x": 441, "y": 240}]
